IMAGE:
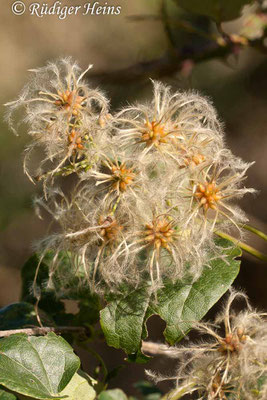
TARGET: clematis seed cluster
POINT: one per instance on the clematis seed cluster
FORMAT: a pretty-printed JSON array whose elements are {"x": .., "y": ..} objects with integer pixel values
[
  {"x": 231, "y": 362},
  {"x": 154, "y": 180}
]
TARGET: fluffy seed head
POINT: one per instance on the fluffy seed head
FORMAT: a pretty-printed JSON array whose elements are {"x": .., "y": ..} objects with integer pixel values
[
  {"x": 154, "y": 180},
  {"x": 232, "y": 361},
  {"x": 168, "y": 125},
  {"x": 62, "y": 115}
]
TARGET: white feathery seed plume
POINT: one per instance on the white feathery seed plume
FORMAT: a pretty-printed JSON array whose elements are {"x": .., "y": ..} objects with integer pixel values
[
  {"x": 65, "y": 117},
  {"x": 229, "y": 362},
  {"x": 155, "y": 180}
]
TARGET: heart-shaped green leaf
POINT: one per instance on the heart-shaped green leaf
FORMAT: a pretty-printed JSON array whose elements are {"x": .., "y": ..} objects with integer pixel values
[{"x": 38, "y": 367}]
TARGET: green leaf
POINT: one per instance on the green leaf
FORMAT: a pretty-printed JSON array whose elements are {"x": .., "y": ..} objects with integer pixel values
[
  {"x": 114, "y": 394},
  {"x": 123, "y": 319},
  {"x": 148, "y": 390},
  {"x": 38, "y": 367},
  {"x": 79, "y": 388},
  {"x": 17, "y": 315},
  {"x": 179, "y": 304},
  {"x": 219, "y": 10},
  {"x": 49, "y": 301},
  {"x": 6, "y": 396},
  {"x": 89, "y": 308}
]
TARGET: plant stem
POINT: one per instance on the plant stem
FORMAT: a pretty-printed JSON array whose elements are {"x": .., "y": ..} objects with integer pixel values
[
  {"x": 97, "y": 356},
  {"x": 256, "y": 231},
  {"x": 44, "y": 330},
  {"x": 67, "y": 170},
  {"x": 249, "y": 249}
]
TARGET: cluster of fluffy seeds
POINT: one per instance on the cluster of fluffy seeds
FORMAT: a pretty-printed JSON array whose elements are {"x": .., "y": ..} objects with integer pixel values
[
  {"x": 231, "y": 363},
  {"x": 155, "y": 179},
  {"x": 63, "y": 115}
]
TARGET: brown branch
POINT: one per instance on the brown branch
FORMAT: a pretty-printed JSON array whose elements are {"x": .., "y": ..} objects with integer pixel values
[
  {"x": 167, "y": 65},
  {"x": 40, "y": 331},
  {"x": 172, "y": 61}
]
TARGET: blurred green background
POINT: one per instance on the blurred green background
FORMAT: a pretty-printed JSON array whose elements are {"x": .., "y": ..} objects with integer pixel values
[{"x": 237, "y": 85}]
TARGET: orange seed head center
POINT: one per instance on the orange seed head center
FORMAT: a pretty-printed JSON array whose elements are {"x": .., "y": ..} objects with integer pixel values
[
  {"x": 154, "y": 133},
  {"x": 159, "y": 233},
  {"x": 208, "y": 195}
]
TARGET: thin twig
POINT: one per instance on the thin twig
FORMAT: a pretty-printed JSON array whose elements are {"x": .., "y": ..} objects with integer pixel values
[
  {"x": 167, "y": 65},
  {"x": 156, "y": 349},
  {"x": 171, "y": 62},
  {"x": 85, "y": 346},
  {"x": 40, "y": 331},
  {"x": 65, "y": 171},
  {"x": 182, "y": 24}
]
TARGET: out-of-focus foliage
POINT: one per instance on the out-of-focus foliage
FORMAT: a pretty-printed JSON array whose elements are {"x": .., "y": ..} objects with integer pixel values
[{"x": 219, "y": 10}]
